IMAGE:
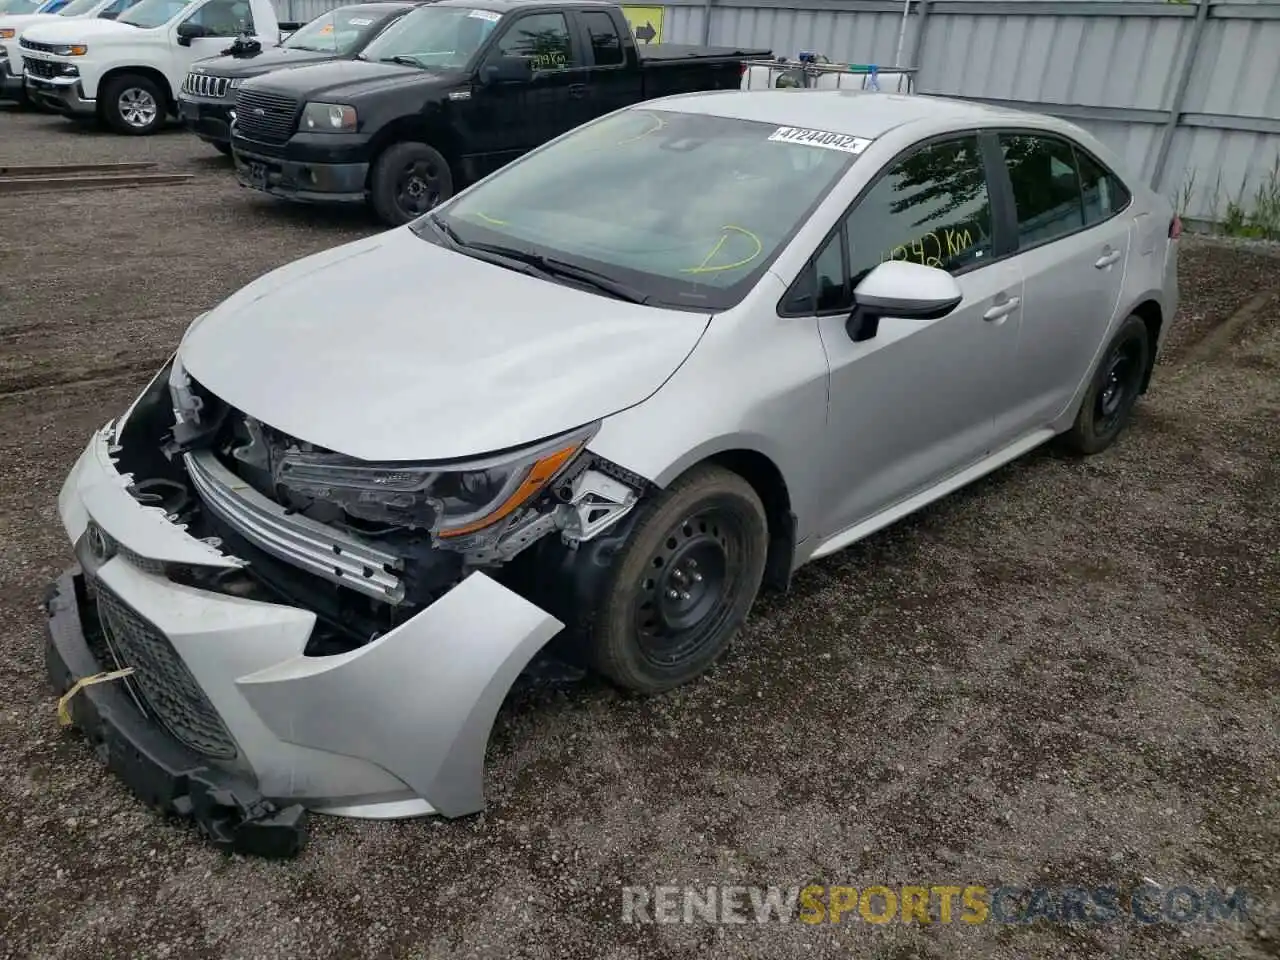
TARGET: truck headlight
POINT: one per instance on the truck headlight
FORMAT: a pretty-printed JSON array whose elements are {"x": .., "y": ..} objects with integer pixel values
[
  {"x": 70, "y": 50},
  {"x": 6, "y": 33},
  {"x": 450, "y": 500},
  {"x": 329, "y": 118}
]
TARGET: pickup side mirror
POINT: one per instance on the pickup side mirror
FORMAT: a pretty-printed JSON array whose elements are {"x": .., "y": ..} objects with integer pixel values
[
  {"x": 188, "y": 31},
  {"x": 898, "y": 288},
  {"x": 506, "y": 70}
]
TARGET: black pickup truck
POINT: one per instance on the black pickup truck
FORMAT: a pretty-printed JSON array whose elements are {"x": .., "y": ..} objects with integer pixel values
[
  {"x": 208, "y": 95},
  {"x": 449, "y": 93}
]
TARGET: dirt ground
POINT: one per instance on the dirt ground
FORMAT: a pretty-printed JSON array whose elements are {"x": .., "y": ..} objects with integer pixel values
[{"x": 1064, "y": 675}]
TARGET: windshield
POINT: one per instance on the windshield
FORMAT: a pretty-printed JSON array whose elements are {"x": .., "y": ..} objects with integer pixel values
[
  {"x": 153, "y": 13},
  {"x": 338, "y": 31},
  {"x": 443, "y": 37},
  {"x": 20, "y": 6},
  {"x": 77, "y": 7},
  {"x": 687, "y": 209}
]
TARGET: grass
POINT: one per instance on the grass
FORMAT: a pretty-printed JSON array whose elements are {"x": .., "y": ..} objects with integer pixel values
[{"x": 1257, "y": 217}]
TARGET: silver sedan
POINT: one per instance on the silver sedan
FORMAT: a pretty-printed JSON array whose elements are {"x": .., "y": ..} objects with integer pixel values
[{"x": 584, "y": 410}]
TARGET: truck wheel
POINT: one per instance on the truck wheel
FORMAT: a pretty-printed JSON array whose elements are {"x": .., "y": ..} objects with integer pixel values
[
  {"x": 133, "y": 105},
  {"x": 683, "y": 583},
  {"x": 408, "y": 180}
]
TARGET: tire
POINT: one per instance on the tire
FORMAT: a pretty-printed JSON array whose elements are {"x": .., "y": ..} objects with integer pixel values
[
  {"x": 408, "y": 180},
  {"x": 1113, "y": 391},
  {"x": 708, "y": 530},
  {"x": 133, "y": 105}
]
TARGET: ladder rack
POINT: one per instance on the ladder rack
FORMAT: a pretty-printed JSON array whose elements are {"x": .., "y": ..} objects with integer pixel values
[{"x": 814, "y": 71}]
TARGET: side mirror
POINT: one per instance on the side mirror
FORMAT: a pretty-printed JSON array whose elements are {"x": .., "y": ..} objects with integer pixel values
[
  {"x": 507, "y": 70},
  {"x": 898, "y": 288},
  {"x": 188, "y": 31}
]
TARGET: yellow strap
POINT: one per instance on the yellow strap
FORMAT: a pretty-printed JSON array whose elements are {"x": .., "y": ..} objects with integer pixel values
[{"x": 64, "y": 715}]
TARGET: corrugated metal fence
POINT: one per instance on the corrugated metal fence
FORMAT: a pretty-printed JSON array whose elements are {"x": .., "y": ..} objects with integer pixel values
[{"x": 1188, "y": 93}]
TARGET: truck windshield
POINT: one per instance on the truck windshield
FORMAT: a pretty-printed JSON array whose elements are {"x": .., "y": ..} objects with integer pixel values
[
  {"x": 338, "y": 31},
  {"x": 78, "y": 7},
  {"x": 433, "y": 37},
  {"x": 688, "y": 210},
  {"x": 153, "y": 13},
  {"x": 20, "y": 6}
]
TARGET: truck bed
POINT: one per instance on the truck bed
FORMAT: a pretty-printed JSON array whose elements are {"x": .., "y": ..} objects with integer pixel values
[
  {"x": 671, "y": 68},
  {"x": 666, "y": 54}
]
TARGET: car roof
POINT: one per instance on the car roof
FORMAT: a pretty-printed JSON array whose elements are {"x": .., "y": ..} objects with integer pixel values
[{"x": 866, "y": 114}]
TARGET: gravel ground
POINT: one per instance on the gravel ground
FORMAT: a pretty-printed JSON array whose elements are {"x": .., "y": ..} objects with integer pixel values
[{"x": 1064, "y": 675}]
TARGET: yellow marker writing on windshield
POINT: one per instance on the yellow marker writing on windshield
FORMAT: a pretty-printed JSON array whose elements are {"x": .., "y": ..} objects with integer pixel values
[{"x": 724, "y": 237}]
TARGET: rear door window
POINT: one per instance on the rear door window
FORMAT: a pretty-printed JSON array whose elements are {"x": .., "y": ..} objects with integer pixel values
[
  {"x": 1046, "y": 187},
  {"x": 606, "y": 45}
]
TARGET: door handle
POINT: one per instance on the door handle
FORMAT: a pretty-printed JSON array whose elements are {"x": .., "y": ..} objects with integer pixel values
[
  {"x": 1002, "y": 309},
  {"x": 577, "y": 90},
  {"x": 1107, "y": 259}
]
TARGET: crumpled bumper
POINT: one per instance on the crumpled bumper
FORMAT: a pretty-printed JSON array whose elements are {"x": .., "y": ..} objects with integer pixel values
[{"x": 226, "y": 720}]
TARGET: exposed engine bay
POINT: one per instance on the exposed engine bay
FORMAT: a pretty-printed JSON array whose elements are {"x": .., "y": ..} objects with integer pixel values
[{"x": 366, "y": 545}]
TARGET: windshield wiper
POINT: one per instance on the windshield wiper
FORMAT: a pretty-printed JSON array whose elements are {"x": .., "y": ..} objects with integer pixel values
[
  {"x": 558, "y": 268},
  {"x": 403, "y": 61},
  {"x": 541, "y": 265},
  {"x": 447, "y": 230}
]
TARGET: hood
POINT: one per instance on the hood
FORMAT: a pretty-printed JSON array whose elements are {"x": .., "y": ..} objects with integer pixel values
[
  {"x": 264, "y": 61},
  {"x": 394, "y": 348},
  {"x": 78, "y": 30},
  {"x": 20, "y": 21},
  {"x": 347, "y": 79}
]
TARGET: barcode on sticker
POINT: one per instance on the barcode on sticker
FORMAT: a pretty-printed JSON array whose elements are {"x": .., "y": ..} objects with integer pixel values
[
  {"x": 489, "y": 15},
  {"x": 820, "y": 138}
]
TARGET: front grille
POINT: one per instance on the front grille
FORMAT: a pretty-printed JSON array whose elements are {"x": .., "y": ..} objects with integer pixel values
[
  {"x": 266, "y": 117},
  {"x": 203, "y": 85},
  {"x": 41, "y": 68},
  {"x": 161, "y": 678},
  {"x": 36, "y": 45}
]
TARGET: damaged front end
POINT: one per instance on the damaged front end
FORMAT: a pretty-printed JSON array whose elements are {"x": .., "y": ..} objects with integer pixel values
[{"x": 306, "y": 631}]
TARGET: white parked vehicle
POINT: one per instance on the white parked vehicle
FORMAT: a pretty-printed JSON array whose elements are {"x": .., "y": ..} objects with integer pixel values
[
  {"x": 128, "y": 71},
  {"x": 14, "y": 16}
]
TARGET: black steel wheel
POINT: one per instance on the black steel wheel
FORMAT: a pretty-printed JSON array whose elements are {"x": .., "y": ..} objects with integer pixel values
[
  {"x": 408, "y": 180},
  {"x": 683, "y": 583},
  {"x": 1115, "y": 388}
]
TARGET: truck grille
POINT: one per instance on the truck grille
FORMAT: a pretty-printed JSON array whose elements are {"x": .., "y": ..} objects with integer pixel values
[
  {"x": 203, "y": 85},
  {"x": 36, "y": 45},
  {"x": 41, "y": 68},
  {"x": 162, "y": 679},
  {"x": 266, "y": 117}
]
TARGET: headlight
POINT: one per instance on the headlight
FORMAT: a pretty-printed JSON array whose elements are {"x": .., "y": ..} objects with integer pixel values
[
  {"x": 235, "y": 83},
  {"x": 70, "y": 50},
  {"x": 6, "y": 33},
  {"x": 329, "y": 117},
  {"x": 450, "y": 500}
]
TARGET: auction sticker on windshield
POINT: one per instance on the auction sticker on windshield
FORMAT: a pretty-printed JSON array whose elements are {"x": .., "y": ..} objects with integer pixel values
[
  {"x": 820, "y": 138},
  {"x": 489, "y": 15}
]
